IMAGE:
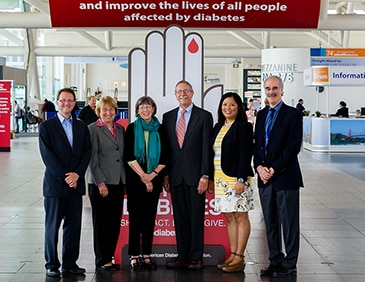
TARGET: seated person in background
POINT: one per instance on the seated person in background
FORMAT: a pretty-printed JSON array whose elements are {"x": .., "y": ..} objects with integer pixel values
[
  {"x": 358, "y": 113},
  {"x": 31, "y": 118},
  {"x": 87, "y": 114},
  {"x": 342, "y": 111}
]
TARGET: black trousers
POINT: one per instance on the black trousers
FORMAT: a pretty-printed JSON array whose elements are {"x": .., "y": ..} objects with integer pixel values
[
  {"x": 106, "y": 215},
  {"x": 68, "y": 209},
  {"x": 281, "y": 215},
  {"x": 189, "y": 208},
  {"x": 142, "y": 208}
]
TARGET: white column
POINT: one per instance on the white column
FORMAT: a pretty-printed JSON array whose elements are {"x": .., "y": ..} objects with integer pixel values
[{"x": 288, "y": 63}]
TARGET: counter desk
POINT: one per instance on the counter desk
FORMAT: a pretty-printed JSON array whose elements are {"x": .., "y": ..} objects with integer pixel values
[{"x": 334, "y": 134}]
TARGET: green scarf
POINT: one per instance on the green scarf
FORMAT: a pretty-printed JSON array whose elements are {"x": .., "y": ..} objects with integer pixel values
[{"x": 154, "y": 144}]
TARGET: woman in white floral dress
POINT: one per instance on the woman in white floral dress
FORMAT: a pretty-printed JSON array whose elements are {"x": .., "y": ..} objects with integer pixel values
[{"x": 232, "y": 144}]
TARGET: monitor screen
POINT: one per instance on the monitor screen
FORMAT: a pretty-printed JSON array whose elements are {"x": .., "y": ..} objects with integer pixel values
[
  {"x": 363, "y": 111},
  {"x": 80, "y": 104}
]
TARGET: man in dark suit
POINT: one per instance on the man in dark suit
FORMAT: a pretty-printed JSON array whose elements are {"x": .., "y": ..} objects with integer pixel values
[
  {"x": 87, "y": 114},
  {"x": 278, "y": 139},
  {"x": 65, "y": 148},
  {"x": 189, "y": 165},
  {"x": 342, "y": 111},
  {"x": 300, "y": 106}
]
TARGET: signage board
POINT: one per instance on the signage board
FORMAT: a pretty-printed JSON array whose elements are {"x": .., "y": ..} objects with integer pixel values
[
  {"x": 188, "y": 14},
  {"x": 5, "y": 110}
]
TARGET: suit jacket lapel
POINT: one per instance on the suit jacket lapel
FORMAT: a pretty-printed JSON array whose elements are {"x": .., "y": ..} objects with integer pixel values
[
  {"x": 108, "y": 134},
  {"x": 194, "y": 118},
  {"x": 171, "y": 123}
]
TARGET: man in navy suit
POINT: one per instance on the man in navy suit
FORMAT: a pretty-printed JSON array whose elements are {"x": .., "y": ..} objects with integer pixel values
[
  {"x": 278, "y": 139},
  {"x": 342, "y": 111},
  {"x": 188, "y": 167},
  {"x": 65, "y": 148}
]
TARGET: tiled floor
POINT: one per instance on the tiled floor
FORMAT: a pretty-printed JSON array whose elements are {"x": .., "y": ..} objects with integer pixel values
[{"x": 332, "y": 224}]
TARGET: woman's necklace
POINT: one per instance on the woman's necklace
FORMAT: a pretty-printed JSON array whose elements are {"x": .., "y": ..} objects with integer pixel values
[
  {"x": 110, "y": 128},
  {"x": 227, "y": 124}
]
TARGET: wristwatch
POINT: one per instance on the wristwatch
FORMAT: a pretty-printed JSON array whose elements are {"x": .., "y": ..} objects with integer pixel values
[{"x": 240, "y": 180}]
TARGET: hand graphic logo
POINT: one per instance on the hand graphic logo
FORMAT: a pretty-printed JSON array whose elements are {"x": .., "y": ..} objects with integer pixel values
[{"x": 167, "y": 59}]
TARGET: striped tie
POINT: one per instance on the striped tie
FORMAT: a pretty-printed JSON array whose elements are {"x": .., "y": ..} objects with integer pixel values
[{"x": 181, "y": 129}]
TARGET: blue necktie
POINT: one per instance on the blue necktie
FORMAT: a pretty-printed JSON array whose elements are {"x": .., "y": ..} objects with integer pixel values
[
  {"x": 67, "y": 126},
  {"x": 269, "y": 124}
]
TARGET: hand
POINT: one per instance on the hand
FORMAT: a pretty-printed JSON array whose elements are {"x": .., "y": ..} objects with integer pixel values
[
  {"x": 203, "y": 185},
  {"x": 71, "y": 179},
  {"x": 155, "y": 73},
  {"x": 103, "y": 190},
  {"x": 166, "y": 183},
  {"x": 211, "y": 187},
  {"x": 149, "y": 186},
  {"x": 239, "y": 187},
  {"x": 265, "y": 173},
  {"x": 147, "y": 177}
]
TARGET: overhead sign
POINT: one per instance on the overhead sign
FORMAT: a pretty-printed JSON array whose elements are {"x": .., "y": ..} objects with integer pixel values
[
  {"x": 192, "y": 14},
  {"x": 337, "y": 57},
  {"x": 347, "y": 75},
  {"x": 334, "y": 75}
]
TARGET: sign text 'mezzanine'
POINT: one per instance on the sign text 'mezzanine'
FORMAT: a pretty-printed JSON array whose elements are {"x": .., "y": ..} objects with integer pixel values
[{"x": 279, "y": 67}]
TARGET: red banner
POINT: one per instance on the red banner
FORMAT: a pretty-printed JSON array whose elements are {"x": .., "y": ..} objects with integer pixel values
[
  {"x": 187, "y": 14},
  {"x": 5, "y": 109}
]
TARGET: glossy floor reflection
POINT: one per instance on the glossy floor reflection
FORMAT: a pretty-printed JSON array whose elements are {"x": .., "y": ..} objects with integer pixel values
[{"x": 332, "y": 225}]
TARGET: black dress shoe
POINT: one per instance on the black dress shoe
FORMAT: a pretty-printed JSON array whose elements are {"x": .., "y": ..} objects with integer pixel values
[
  {"x": 107, "y": 268},
  {"x": 176, "y": 263},
  {"x": 195, "y": 264},
  {"x": 53, "y": 272},
  {"x": 285, "y": 272},
  {"x": 269, "y": 271},
  {"x": 76, "y": 270}
]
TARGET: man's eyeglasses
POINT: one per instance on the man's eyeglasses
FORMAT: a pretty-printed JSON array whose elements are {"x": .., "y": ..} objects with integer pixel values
[
  {"x": 64, "y": 101},
  {"x": 183, "y": 91},
  {"x": 145, "y": 107}
]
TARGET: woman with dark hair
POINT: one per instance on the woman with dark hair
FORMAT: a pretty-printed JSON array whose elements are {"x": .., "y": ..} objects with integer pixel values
[
  {"x": 232, "y": 144},
  {"x": 144, "y": 181}
]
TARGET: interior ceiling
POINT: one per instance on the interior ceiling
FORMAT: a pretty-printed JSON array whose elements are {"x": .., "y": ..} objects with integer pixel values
[{"x": 341, "y": 24}]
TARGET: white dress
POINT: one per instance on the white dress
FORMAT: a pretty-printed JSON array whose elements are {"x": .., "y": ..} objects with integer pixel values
[{"x": 226, "y": 200}]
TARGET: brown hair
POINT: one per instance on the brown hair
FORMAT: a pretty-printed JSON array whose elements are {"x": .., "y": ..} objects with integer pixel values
[
  {"x": 146, "y": 100},
  {"x": 68, "y": 90}
]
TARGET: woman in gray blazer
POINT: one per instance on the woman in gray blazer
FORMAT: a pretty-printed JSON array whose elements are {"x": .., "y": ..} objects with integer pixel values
[{"x": 106, "y": 182}]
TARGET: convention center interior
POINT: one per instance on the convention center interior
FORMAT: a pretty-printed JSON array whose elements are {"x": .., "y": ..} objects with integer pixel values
[{"x": 132, "y": 49}]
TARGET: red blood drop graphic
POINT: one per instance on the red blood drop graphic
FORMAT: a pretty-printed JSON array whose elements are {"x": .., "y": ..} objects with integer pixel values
[{"x": 193, "y": 47}]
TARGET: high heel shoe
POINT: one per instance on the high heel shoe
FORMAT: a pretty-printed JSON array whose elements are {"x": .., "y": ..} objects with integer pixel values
[
  {"x": 225, "y": 263},
  {"x": 147, "y": 263},
  {"x": 135, "y": 263},
  {"x": 237, "y": 267}
]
